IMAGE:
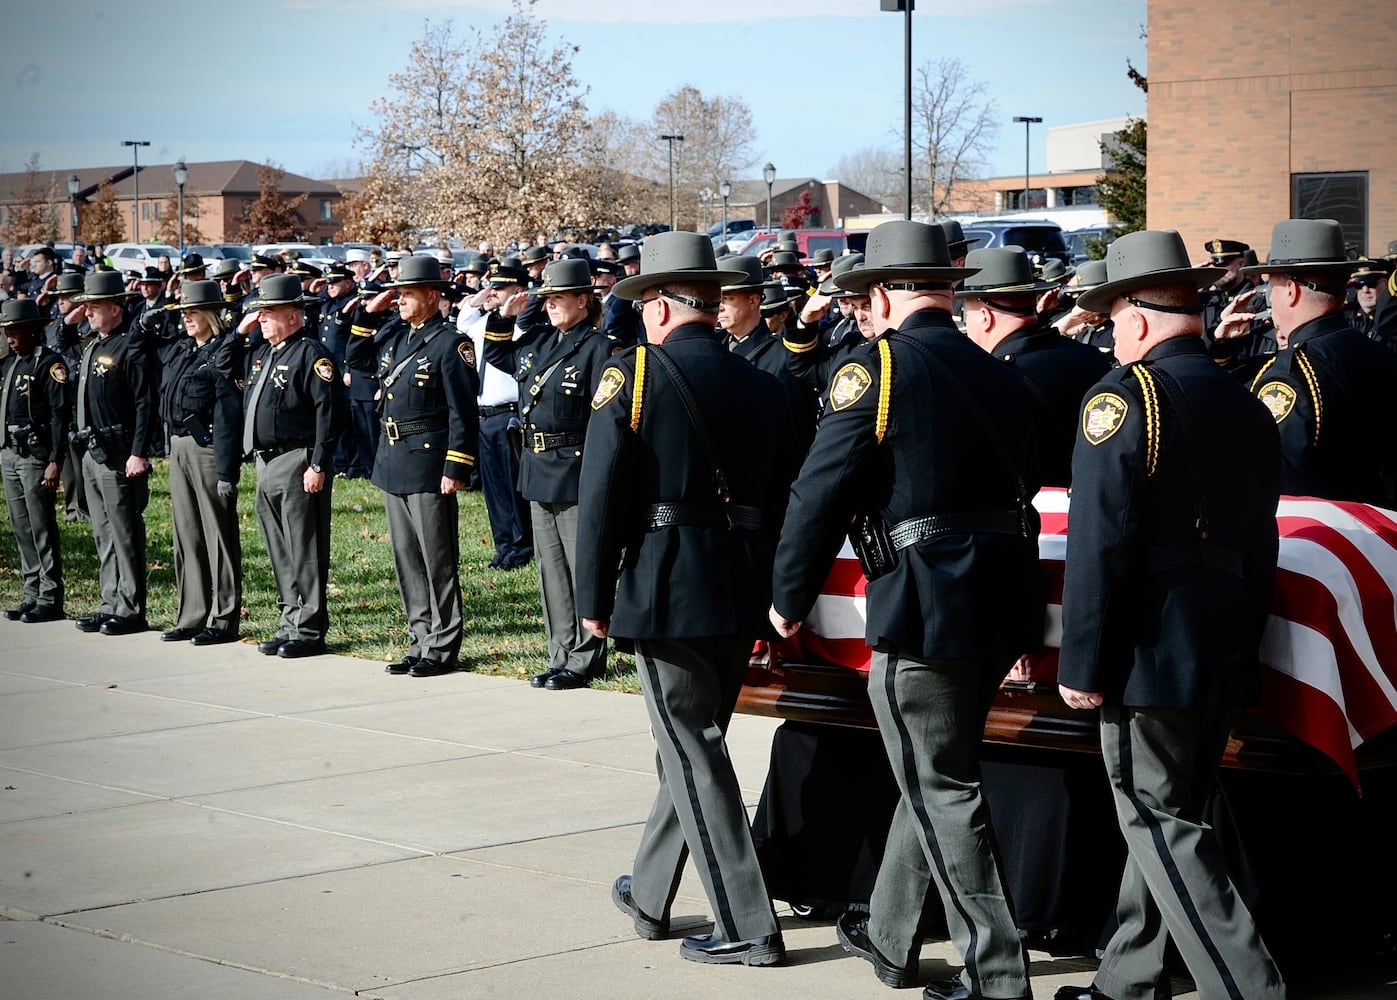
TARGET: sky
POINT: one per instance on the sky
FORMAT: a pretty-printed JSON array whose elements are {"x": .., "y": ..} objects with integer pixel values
[{"x": 288, "y": 81}]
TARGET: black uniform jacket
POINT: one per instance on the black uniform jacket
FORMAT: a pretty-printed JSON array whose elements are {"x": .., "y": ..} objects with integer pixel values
[
  {"x": 368, "y": 332},
  {"x": 1154, "y": 613},
  {"x": 1058, "y": 372},
  {"x": 1330, "y": 392},
  {"x": 681, "y": 581},
  {"x": 556, "y": 385},
  {"x": 429, "y": 379},
  {"x": 813, "y": 357},
  {"x": 303, "y": 403},
  {"x": 766, "y": 352},
  {"x": 121, "y": 386},
  {"x": 621, "y": 322},
  {"x": 201, "y": 400},
  {"x": 39, "y": 399},
  {"x": 335, "y": 324},
  {"x": 910, "y": 449}
]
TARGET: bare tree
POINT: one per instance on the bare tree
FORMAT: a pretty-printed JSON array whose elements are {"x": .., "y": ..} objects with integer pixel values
[
  {"x": 876, "y": 172},
  {"x": 953, "y": 130},
  {"x": 29, "y": 220},
  {"x": 100, "y": 221},
  {"x": 615, "y": 157},
  {"x": 718, "y": 140},
  {"x": 272, "y": 216},
  {"x": 168, "y": 229}
]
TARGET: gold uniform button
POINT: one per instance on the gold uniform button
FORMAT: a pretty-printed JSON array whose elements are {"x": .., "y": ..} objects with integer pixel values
[{"x": 390, "y": 395}]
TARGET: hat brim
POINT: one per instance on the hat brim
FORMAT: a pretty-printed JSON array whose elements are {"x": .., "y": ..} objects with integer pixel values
[
  {"x": 430, "y": 283},
  {"x": 1009, "y": 291},
  {"x": 1313, "y": 267},
  {"x": 636, "y": 285},
  {"x": 299, "y": 300},
  {"x": 860, "y": 278},
  {"x": 37, "y": 322},
  {"x": 85, "y": 299},
  {"x": 564, "y": 289},
  {"x": 186, "y": 306},
  {"x": 1099, "y": 299}
]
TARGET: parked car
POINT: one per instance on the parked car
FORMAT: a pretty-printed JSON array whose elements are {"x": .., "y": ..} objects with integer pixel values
[
  {"x": 735, "y": 226},
  {"x": 217, "y": 251},
  {"x": 1077, "y": 240},
  {"x": 139, "y": 256},
  {"x": 811, "y": 240},
  {"x": 1043, "y": 240},
  {"x": 64, "y": 250}
]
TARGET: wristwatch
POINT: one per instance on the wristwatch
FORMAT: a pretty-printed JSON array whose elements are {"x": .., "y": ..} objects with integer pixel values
[{"x": 315, "y": 469}]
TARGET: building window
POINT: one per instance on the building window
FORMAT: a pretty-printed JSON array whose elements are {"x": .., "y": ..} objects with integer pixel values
[
  {"x": 157, "y": 210},
  {"x": 326, "y": 209},
  {"x": 1084, "y": 195},
  {"x": 145, "y": 211},
  {"x": 1342, "y": 197}
]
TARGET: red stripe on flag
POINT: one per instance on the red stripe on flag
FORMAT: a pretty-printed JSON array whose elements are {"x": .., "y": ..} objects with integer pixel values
[
  {"x": 1309, "y": 715},
  {"x": 845, "y": 579}
]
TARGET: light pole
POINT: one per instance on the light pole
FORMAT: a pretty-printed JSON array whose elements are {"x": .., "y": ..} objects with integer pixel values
[
  {"x": 1027, "y": 122},
  {"x": 768, "y": 175},
  {"x": 705, "y": 196},
  {"x": 671, "y": 139},
  {"x": 725, "y": 189},
  {"x": 136, "y": 145},
  {"x": 906, "y": 7},
  {"x": 73, "y": 185},
  {"x": 181, "y": 175}
]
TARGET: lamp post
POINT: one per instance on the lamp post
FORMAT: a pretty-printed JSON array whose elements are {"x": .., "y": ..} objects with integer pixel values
[
  {"x": 705, "y": 196},
  {"x": 905, "y": 6},
  {"x": 73, "y": 185},
  {"x": 181, "y": 175},
  {"x": 671, "y": 139},
  {"x": 768, "y": 175},
  {"x": 725, "y": 189},
  {"x": 1027, "y": 122},
  {"x": 136, "y": 145}
]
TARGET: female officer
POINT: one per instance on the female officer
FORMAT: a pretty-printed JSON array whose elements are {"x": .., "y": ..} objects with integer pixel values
[{"x": 202, "y": 408}]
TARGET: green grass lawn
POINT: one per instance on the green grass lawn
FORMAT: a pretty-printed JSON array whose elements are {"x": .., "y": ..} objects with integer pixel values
[{"x": 503, "y": 618}]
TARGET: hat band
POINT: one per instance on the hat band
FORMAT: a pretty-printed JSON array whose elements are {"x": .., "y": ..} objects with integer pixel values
[
  {"x": 1279, "y": 262},
  {"x": 913, "y": 286},
  {"x": 1160, "y": 307}
]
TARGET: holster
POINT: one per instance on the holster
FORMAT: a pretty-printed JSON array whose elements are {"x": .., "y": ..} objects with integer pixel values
[{"x": 868, "y": 536}]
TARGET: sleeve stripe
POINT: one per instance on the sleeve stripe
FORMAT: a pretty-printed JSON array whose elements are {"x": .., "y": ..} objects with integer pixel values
[
  {"x": 796, "y": 348},
  {"x": 362, "y": 331}
]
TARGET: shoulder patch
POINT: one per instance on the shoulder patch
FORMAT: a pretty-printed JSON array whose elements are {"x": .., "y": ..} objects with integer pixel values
[
  {"x": 325, "y": 368},
  {"x": 466, "y": 349},
  {"x": 1103, "y": 416},
  {"x": 611, "y": 381},
  {"x": 1278, "y": 397},
  {"x": 848, "y": 385},
  {"x": 58, "y": 371}
]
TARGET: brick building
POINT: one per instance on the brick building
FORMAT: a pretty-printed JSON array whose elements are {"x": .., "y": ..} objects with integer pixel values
[
  {"x": 834, "y": 201},
  {"x": 1261, "y": 110}
]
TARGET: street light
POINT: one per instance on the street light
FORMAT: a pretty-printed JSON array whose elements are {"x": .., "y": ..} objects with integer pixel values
[
  {"x": 705, "y": 196},
  {"x": 73, "y": 185},
  {"x": 725, "y": 189},
  {"x": 671, "y": 139},
  {"x": 1026, "y": 123},
  {"x": 181, "y": 175},
  {"x": 136, "y": 145},
  {"x": 768, "y": 175},
  {"x": 906, "y": 7}
]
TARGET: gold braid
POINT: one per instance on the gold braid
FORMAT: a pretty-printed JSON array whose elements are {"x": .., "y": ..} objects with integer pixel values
[
  {"x": 1307, "y": 370},
  {"x": 1264, "y": 369},
  {"x": 1150, "y": 391},
  {"x": 638, "y": 395},
  {"x": 885, "y": 389}
]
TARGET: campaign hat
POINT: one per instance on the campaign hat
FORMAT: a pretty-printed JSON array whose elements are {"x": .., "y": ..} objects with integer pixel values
[
  {"x": 199, "y": 295},
  {"x": 824, "y": 257},
  {"x": 1003, "y": 273},
  {"x": 192, "y": 262},
  {"x": 784, "y": 261},
  {"x": 903, "y": 250},
  {"x": 1148, "y": 258},
  {"x": 777, "y": 296},
  {"x": 670, "y": 257},
  {"x": 1054, "y": 270},
  {"x": 104, "y": 286},
  {"x": 750, "y": 277},
  {"x": 69, "y": 284},
  {"x": 830, "y": 286},
  {"x": 957, "y": 244},
  {"x": 1306, "y": 246},
  {"x": 225, "y": 267},
  {"x": 629, "y": 251},
  {"x": 19, "y": 313},
  {"x": 477, "y": 263},
  {"x": 418, "y": 270},
  {"x": 568, "y": 274},
  {"x": 279, "y": 290},
  {"x": 1091, "y": 274},
  {"x": 534, "y": 255}
]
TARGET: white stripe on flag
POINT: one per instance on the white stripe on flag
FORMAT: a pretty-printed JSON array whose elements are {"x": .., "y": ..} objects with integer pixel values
[{"x": 1308, "y": 657}]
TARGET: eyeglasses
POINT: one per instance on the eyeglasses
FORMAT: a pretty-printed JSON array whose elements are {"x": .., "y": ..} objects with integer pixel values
[
  {"x": 1365, "y": 282},
  {"x": 639, "y": 304}
]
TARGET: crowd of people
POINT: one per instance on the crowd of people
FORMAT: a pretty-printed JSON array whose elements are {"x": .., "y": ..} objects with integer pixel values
[{"x": 682, "y": 442}]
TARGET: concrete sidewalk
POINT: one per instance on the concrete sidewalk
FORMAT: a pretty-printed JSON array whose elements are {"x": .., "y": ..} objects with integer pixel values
[{"x": 179, "y": 822}]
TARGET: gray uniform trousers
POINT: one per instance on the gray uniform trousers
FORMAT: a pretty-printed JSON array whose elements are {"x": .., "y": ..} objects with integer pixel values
[
  {"x": 208, "y": 548},
  {"x": 931, "y": 715},
  {"x": 74, "y": 489},
  {"x": 691, "y": 688},
  {"x": 570, "y": 646},
  {"x": 1161, "y": 764},
  {"x": 423, "y": 528},
  {"x": 117, "y": 505},
  {"x": 35, "y": 526},
  {"x": 296, "y": 529}
]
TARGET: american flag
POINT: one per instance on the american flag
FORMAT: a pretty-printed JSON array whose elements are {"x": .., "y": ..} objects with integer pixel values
[{"x": 1330, "y": 642}]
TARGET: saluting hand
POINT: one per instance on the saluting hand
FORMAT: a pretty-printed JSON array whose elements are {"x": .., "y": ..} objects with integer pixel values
[
  {"x": 784, "y": 626},
  {"x": 1232, "y": 322},
  {"x": 249, "y": 321}
]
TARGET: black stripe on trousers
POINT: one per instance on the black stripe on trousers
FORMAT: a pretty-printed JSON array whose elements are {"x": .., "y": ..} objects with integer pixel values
[
  {"x": 1176, "y": 881},
  {"x": 914, "y": 796},
  {"x": 719, "y": 889}
]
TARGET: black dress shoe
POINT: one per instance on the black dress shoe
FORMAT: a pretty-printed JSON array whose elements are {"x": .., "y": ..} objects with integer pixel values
[
  {"x": 20, "y": 610},
  {"x": 403, "y": 666},
  {"x": 92, "y": 622},
  {"x": 214, "y": 636},
  {"x": 852, "y": 930},
  {"x": 269, "y": 647},
  {"x": 117, "y": 625},
  {"x": 1079, "y": 993},
  {"x": 293, "y": 649},
  {"x": 538, "y": 680},
  {"x": 432, "y": 668},
  {"x": 178, "y": 634},
  {"x": 645, "y": 925},
  {"x": 42, "y": 614},
  {"x": 952, "y": 989},
  {"x": 766, "y": 950},
  {"x": 565, "y": 680}
]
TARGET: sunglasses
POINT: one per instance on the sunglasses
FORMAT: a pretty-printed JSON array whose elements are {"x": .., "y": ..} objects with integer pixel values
[{"x": 1366, "y": 282}]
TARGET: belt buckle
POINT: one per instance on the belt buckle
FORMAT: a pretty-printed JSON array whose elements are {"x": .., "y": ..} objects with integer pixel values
[
  {"x": 539, "y": 446},
  {"x": 390, "y": 427}
]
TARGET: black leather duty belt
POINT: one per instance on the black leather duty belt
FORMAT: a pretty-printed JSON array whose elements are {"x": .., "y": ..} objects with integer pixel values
[
  {"x": 267, "y": 454},
  {"x": 907, "y": 533},
  {"x": 704, "y": 515},
  {"x": 399, "y": 429},
  {"x": 494, "y": 411},
  {"x": 541, "y": 442}
]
